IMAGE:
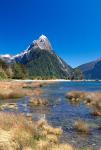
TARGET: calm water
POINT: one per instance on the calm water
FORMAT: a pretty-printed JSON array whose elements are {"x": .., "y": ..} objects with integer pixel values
[
  {"x": 61, "y": 113},
  {"x": 65, "y": 114}
]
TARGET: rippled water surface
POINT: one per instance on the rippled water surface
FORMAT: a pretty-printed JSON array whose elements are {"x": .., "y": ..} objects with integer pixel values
[{"x": 61, "y": 113}]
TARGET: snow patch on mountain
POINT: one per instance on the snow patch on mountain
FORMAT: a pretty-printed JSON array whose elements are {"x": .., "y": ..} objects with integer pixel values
[
  {"x": 42, "y": 43},
  {"x": 6, "y": 56}
]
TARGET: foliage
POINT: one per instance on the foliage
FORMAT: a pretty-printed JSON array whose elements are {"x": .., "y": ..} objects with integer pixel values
[
  {"x": 3, "y": 69},
  {"x": 19, "y": 71},
  {"x": 78, "y": 75},
  {"x": 46, "y": 66},
  {"x": 2, "y": 74},
  {"x": 40, "y": 64}
]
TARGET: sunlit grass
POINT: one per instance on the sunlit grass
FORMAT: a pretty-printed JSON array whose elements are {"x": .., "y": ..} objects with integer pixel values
[
  {"x": 18, "y": 132},
  {"x": 82, "y": 126}
]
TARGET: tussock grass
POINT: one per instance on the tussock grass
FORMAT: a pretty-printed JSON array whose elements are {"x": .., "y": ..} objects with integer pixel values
[
  {"x": 9, "y": 106},
  {"x": 91, "y": 99},
  {"x": 75, "y": 95},
  {"x": 38, "y": 101},
  {"x": 11, "y": 90},
  {"x": 63, "y": 147},
  {"x": 86, "y": 97},
  {"x": 37, "y": 84},
  {"x": 11, "y": 94},
  {"x": 96, "y": 106},
  {"x": 15, "y": 90},
  {"x": 82, "y": 126},
  {"x": 19, "y": 133}
]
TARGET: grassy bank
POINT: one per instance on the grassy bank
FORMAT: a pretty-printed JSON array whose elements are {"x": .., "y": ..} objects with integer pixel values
[
  {"x": 20, "y": 133},
  {"x": 14, "y": 90}
]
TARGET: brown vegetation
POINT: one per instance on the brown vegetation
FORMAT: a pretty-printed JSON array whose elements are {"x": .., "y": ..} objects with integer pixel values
[
  {"x": 82, "y": 126},
  {"x": 9, "y": 106},
  {"x": 37, "y": 92},
  {"x": 19, "y": 133},
  {"x": 13, "y": 89},
  {"x": 11, "y": 94},
  {"x": 91, "y": 99},
  {"x": 37, "y": 84},
  {"x": 38, "y": 101},
  {"x": 75, "y": 95}
]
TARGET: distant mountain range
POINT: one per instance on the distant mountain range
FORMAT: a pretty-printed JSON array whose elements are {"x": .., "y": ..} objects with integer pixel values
[
  {"x": 41, "y": 61},
  {"x": 92, "y": 70}
]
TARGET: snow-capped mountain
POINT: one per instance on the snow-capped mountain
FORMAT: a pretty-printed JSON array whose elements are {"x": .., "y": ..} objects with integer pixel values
[
  {"x": 43, "y": 43},
  {"x": 40, "y": 60}
]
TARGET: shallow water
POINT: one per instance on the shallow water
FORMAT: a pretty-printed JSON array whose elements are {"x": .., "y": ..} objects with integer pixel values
[
  {"x": 62, "y": 113},
  {"x": 65, "y": 114}
]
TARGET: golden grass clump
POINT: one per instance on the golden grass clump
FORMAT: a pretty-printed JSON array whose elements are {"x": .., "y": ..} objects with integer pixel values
[
  {"x": 75, "y": 96},
  {"x": 12, "y": 85},
  {"x": 9, "y": 106},
  {"x": 86, "y": 97},
  {"x": 63, "y": 147},
  {"x": 49, "y": 129},
  {"x": 96, "y": 106},
  {"x": 11, "y": 94},
  {"x": 91, "y": 99},
  {"x": 42, "y": 145},
  {"x": 18, "y": 132},
  {"x": 82, "y": 126},
  {"x": 38, "y": 101},
  {"x": 6, "y": 142},
  {"x": 52, "y": 138},
  {"x": 15, "y": 90}
]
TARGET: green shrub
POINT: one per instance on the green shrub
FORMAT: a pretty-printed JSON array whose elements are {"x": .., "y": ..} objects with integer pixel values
[{"x": 2, "y": 74}]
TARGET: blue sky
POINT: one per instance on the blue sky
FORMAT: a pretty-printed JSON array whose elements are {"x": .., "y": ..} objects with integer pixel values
[{"x": 73, "y": 27}]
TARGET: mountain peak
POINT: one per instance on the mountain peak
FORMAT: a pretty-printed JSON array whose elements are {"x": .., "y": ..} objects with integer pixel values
[
  {"x": 43, "y": 37},
  {"x": 42, "y": 42}
]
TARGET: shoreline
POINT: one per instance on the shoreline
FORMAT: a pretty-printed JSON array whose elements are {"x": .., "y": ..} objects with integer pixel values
[
  {"x": 55, "y": 80},
  {"x": 49, "y": 80}
]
